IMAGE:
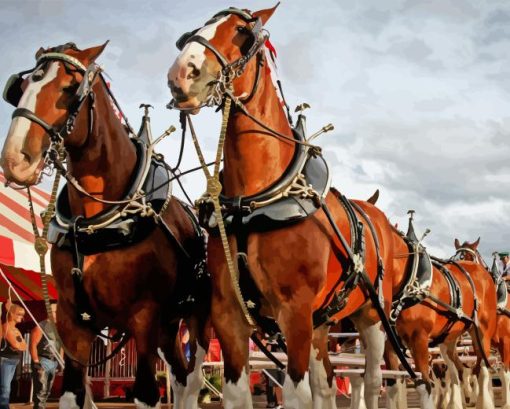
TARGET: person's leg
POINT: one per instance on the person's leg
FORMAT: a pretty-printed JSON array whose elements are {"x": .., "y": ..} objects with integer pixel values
[
  {"x": 7, "y": 371},
  {"x": 270, "y": 393},
  {"x": 40, "y": 380},
  {"x": 50, "y": 368}
]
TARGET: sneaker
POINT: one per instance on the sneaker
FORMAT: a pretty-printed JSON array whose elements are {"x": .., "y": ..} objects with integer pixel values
[{"x": 271, "y": 405}]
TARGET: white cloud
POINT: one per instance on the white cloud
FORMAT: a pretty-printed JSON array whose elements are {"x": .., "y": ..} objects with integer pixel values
[{"x": 418, "y": 92}]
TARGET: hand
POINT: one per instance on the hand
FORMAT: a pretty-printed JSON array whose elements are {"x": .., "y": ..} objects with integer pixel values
[{"x": 36, "y": 367}]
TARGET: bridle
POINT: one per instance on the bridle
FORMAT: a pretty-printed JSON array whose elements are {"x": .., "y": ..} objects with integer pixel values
[
  {"x": 230, "y": 70},
  {"x": 476, "y": 255},
  {"x": 55, "y": 154},
  {"x": 56, "y": 133},
  {"x": 223, "y": 87}
]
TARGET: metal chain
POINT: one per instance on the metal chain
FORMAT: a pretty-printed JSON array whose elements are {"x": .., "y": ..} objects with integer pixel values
[{"x": 213, "y": 195}]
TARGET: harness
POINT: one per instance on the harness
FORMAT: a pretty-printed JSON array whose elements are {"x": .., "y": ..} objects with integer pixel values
[
  {"x": 500, "y": 284},
  {"x": 241, "y": 213},
  {"x": 125, "y": 224},
  {"x": 127, "y": 221},
  {"x": 418, "y": 279}
]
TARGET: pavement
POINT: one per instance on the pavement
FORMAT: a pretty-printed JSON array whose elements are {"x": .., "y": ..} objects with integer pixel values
[{"x": 259, "y": 402}]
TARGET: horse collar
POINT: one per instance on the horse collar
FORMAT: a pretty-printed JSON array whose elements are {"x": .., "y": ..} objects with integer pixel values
[{"x": 121, "y": 224}]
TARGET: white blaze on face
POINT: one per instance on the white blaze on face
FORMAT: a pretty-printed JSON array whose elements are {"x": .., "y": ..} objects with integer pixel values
[
  {"x": 195, "y": 52},
  {"x": 19, "y": 126}
]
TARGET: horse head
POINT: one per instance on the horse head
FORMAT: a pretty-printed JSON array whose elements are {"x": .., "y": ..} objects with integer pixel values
[
  {"x": 468, "y": 251},
  {"x": 218, "y": 55},
  {"x": 48, "y": 100}
]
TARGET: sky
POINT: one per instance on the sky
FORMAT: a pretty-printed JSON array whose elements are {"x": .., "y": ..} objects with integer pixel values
[{"x": 418, "y": 92}]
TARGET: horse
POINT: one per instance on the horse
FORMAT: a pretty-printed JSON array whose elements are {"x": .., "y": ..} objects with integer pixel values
[
  {"x": 127, "y": 255},
  {"x": 269, "y": 257},
  {"x": 443, "y": 316},
  {"x": 501, "y": 338}
]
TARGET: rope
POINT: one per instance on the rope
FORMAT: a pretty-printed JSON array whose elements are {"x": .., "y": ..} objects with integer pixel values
[{"x": 213, "y": 195}]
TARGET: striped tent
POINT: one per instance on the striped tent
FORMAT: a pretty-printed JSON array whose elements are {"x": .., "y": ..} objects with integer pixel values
[{"x": 18, "y": 259}]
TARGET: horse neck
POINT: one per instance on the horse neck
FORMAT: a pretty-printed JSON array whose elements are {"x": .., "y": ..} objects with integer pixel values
[
  {"x": 104, "y": 164},
  {"x": 253, "y": 158}
]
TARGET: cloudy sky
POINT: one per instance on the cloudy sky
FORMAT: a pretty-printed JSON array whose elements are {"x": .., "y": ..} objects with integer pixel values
[{"x": 418, "y": 91}]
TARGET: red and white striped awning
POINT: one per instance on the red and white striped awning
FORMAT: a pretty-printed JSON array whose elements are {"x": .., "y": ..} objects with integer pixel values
[{"x": 18, "y": 258}]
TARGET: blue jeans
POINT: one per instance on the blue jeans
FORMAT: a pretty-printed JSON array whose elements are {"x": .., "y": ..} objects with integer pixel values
[
  {"x": 43, "y": 381},
  {"x": 7, "y": 371}
]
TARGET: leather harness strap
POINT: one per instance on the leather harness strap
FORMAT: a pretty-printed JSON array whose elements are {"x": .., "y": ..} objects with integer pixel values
[{"x": 357, "y": 261}]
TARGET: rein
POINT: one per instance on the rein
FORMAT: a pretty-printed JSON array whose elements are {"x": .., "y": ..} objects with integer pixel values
[
  {"x": 222, "y": 95},
  {"x": 41, "y": 247},
  {"x": 213, "y": 195}
]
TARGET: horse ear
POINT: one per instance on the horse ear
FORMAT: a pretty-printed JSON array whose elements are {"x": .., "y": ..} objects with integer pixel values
[
  {"x": 90, "y": 54},
  {"x": 39, "y": 52},
  {"x": 476, "y": 243},
  {"x": 457, "y": 243},
  {"x": 265, "y": 14}
]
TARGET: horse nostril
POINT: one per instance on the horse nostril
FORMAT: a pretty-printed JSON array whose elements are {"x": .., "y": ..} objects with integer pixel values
[
  {"x": 26, "y": 156},
  {"x": 194, "y": 73}
]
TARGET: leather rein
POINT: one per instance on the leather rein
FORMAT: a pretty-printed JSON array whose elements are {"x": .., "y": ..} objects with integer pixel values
[{"x": 222, "y": 96}]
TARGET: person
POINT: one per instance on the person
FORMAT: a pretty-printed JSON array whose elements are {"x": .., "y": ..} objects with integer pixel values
[
  {"x": 504, "y": 266},
  {"x": 44, "y": 361},
  {"x": 273, "y": 389},
  {"x": 12, "y": 346}
]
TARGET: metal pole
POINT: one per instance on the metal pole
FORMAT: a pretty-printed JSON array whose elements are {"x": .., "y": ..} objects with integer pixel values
[{"x": 107, "y": 370}]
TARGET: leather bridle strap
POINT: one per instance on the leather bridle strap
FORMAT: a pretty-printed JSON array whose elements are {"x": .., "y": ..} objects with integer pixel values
[
  {"x": 202, "y": 41},
  {"x": 31, "y": 116}
]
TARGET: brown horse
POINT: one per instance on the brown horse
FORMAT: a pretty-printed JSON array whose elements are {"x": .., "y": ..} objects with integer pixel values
[
  {"x": 295, "y": 268},
  {"x": 501, "y": 339},
  {"x": 117, "y": 261},
  {"x": 435, "y": 319}
]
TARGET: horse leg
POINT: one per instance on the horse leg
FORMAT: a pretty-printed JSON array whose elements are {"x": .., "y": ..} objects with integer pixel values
[
  {"x": 296, "y": 323},
  {"x": 448, "y": 350},
  {"x": 440, "y": 390},
  {"x": 373, "y": 339},
  {"x": 171, "y": 352},
  {"x": 396, "y": 393},
  {"x": 357, "y": 392},
  {"x": 199, "y": 343},
  {"x": 484, "y": 399},
  {"x": 418, "y": 345},
  {"x": 78, "y": 342},
  {"x": 322, "y": 377},
  {"x": 504, "y": 374},
  {"x": 233, "y": 333},
  {"x": 144, "y": 327}
]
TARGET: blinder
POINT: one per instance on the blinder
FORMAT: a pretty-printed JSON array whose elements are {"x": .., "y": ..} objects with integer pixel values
[
  {"x": 246, "y": 49},
  {"x": 12, "y": 90},
  {"x": 182, "y": 41},
  {"x": 88, "y": 80},
  {"x": 13, "y": 93}
]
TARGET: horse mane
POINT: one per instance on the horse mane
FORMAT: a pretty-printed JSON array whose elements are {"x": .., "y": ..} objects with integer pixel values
[{"x": 58, "y": 49}]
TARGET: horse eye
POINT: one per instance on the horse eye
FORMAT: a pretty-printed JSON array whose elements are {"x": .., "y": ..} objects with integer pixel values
[
  {"x": 71, "y": 89},
  {"x": 242, "y": 29},
  {"x": 38, "y": 75}
]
